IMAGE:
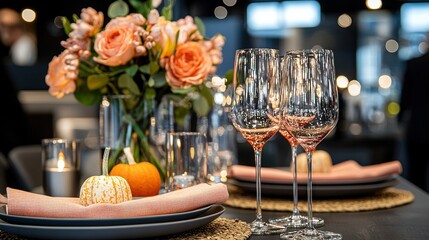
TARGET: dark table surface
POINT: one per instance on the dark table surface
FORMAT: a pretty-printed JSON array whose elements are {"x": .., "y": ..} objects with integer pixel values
[{"x": 410, "y": 221}]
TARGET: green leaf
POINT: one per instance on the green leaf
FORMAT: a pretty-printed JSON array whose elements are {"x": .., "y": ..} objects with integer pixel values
[
  {"x": 132, "y": 70},
  {"x": 86, "y": 96},
  {"x": 150, "y": 93},
  {"x": 142, "y": 7},
  {"x": 144, "y": 69},
  {"x": 151, "y": 82},
  {"x": 118, "y": 8},
  {"x": 200, "y": 106},
  {"x": 183, "y": 90},
  {"x": 75, "y": 17},
  {"x": 66, "y": 25},
  {"x": 167, "y": 11},
  {"x": 126, "y": 81},
  {"x": 153, "y": 67},
  {"x": 180, "y": 114},
  {"x": 229, "y": 75},
  {"x": 97, "y": 81},
  {"x": 200, "y": 25},
  {"x": 206, "y": 93},
  {"x": 86, "y": 68},
  {"x": 159, "y": 79}
]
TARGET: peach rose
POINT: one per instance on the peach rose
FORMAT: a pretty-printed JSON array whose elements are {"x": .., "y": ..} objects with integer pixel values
[
  {"x": 190, "y": 65},
  {"x": 115, "y": 45},
  {"x": 62, "y": 73}
]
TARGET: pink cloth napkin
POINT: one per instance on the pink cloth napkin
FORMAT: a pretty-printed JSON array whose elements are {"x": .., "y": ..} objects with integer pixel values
[
  {"x": 344, "y": 172},
  {"x": 36, "y": 205}
]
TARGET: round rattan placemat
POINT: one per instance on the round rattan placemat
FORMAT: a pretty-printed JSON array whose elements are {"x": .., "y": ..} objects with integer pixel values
[{"x": 387, "y": 198}]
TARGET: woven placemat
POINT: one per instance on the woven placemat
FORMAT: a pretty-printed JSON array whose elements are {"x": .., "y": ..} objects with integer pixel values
[
  {"x": 387, "y": 198},
  {"x": 220, "y": 228},
  {"x": 7, "y": 236}
]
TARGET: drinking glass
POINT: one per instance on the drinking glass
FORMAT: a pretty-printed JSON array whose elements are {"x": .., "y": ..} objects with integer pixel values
[
  {"x": 255, "y": 106},
  {"x": 296, "y": 220},
  {"x": 186, "y": 156},
  {"x": 220, "y": 138},
  {"x": 310, "y": 112}
]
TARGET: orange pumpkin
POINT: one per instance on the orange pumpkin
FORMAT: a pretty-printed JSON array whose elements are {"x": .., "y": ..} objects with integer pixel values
[
  {"x": 143, "y": 177},
  {"x": 104, "y": 188}
]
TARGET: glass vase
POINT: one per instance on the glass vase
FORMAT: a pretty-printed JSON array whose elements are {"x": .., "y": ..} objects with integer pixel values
[{"x": 125, "y": 122}]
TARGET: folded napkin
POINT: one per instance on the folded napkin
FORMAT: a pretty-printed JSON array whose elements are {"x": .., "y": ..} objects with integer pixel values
[
  {"x": 25, "y": 203},
  {"x": 347, "y": 171}
]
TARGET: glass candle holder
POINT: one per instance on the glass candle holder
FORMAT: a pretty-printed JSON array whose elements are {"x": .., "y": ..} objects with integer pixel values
[
  {"x": 61, "y": 167},
  {"x": 186, "y": 155}
]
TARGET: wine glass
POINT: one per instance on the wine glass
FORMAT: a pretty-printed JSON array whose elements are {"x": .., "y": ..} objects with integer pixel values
[
  {"x": 310, "y": 104},
  {"x": 255, "y": 104},
  {"x": 296, "y": 220}
]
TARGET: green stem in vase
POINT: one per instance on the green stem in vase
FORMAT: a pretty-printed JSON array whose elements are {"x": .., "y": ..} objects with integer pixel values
[
  {"x": 145, "y": 145},
  {"x": 115, "y": 155}
]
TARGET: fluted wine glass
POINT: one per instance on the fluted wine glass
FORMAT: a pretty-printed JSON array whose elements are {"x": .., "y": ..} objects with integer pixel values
[
  {"x": 310, "y": 104},
  {"x": 255, "y": 104},
  {"x": 296, "y": 220}
]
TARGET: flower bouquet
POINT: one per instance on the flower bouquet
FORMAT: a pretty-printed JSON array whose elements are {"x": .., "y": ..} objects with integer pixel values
[{"x": 143, "y": 55}]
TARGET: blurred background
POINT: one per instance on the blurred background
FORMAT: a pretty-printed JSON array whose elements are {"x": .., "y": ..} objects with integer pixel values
[{"x": 371, "y": 40}]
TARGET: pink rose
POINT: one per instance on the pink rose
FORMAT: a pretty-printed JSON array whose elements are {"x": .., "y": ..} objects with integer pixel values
[
  {"x": 115, "y": 45},
  {"x": 62, "y": 73},
  {"x": 189, "y": 66}
]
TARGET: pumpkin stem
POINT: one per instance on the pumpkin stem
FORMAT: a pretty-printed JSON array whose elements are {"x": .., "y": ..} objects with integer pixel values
[
  {"x": 127, "y": 151},
  {"x": 105, "y": 171}
]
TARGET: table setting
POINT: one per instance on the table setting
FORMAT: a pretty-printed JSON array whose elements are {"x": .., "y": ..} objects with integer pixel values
[
  {"x": 368, "y": 188},
  {"x": 189, "y": 204},
  {"x": 160, "y": 178},
  {"x": 40, "y": 216},
  {"x": 337, "y": 183}
]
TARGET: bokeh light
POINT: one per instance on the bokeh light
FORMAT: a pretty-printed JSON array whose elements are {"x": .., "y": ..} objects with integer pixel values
[
  {"x": 354, "y": 88},
  {"x": 344, "y": 20}
]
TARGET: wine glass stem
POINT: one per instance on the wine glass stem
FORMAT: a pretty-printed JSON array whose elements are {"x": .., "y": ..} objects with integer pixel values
[
  {"x": 258, "y": 185},
  {"x": 310, "y": 190},
  {"x": 295, "y": 184}
]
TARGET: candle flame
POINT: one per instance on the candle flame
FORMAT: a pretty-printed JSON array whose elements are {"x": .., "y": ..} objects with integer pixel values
[
  {"x": 192, "y": 152},
  {"x": 61, "y": 163}
]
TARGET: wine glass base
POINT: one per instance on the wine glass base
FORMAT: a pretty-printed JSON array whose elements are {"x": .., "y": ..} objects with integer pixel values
[
  {"x": 263, "y": 228},
  {"x": 311, "y": 234},
  {"x": 296, "y": 221}
]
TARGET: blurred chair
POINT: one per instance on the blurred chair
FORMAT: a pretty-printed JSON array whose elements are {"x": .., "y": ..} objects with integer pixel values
[
  {"x": 3, "y": 170},
  {"x": 26, "y": 167}
]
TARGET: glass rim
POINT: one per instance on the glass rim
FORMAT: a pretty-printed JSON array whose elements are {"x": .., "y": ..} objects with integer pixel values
[
  {"x": 119, "y": 96},
  {"x": 59, "y": 140},
  {"x": 242, "y": 50},
  {"x": 185, "y": 133},
  {"x": 307, "y": 50}
]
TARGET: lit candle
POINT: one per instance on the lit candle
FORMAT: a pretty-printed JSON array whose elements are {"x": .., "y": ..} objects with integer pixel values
[
  {"x": 183, "y": 181},
  {"x": 59, "y": 178}
]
